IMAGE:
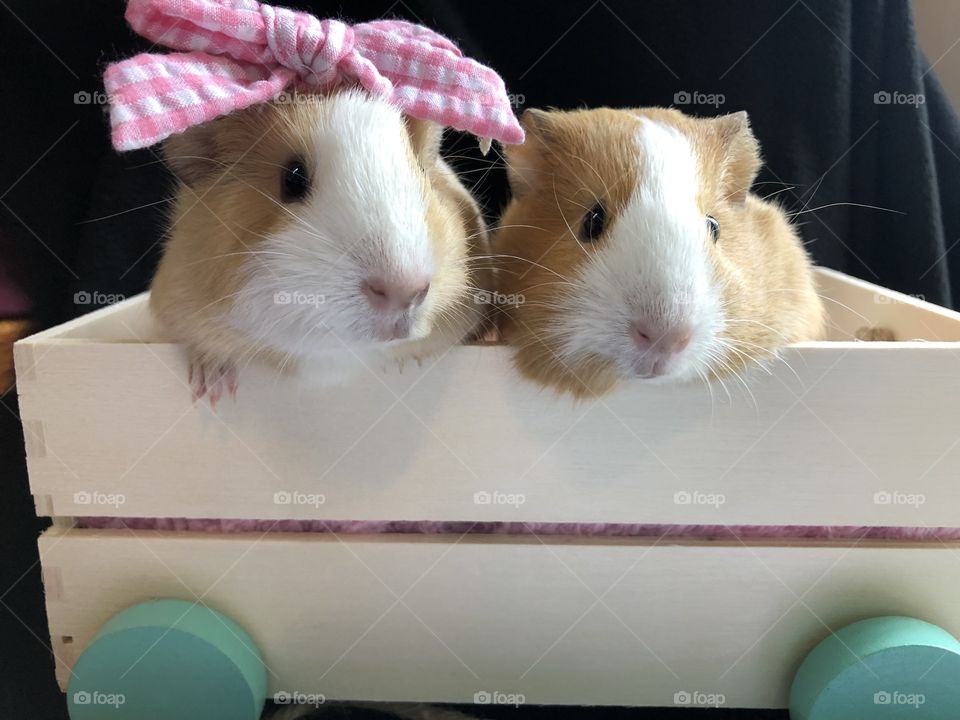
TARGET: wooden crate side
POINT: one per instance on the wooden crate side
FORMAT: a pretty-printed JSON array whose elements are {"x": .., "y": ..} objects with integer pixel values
[
  {"x": 853, "y": 303},
  {"x": 852, "y": 435},
  {"x": 442, "y": 619}
]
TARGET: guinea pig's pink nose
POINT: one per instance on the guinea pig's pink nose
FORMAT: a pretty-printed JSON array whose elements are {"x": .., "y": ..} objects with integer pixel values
[
  {"x": 395, "y": 294},
  {"x": 666, "y": 341}
]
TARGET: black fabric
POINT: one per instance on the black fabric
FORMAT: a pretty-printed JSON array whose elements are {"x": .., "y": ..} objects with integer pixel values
[{"x": 75, "y": 217}]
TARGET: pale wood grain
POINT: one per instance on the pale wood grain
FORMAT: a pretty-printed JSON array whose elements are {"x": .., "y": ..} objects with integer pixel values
[{"x": 516, "y": 616}]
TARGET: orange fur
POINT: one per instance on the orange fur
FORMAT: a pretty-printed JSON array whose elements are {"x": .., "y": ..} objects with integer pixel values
[
  {"x": 573, "y": 159},
  {"x": 228, "y": 200}
]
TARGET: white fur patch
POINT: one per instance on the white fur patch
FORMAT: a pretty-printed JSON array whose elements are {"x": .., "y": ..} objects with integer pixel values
[
  {"x": 652, "y": 266},
  {"x": 365, "y": 216}
]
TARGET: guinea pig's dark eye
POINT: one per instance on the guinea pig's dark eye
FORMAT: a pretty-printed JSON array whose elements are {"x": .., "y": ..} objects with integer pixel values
[
  {"x": 294, "y": 182},
  {"x": 714, "y": 227},
  {"x": 593, "y": 223}
]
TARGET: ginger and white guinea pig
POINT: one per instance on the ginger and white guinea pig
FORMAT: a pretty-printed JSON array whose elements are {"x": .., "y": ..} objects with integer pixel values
[
  {"x": 325, "y": 233},
  {"x": 635, "y": 249}
]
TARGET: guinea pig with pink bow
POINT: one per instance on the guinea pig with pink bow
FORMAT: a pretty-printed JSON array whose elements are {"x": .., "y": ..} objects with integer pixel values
[{"x": 315, "y": 224}]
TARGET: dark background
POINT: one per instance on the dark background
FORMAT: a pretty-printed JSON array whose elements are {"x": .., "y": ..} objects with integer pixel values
[{"x": 75, "y": 216}]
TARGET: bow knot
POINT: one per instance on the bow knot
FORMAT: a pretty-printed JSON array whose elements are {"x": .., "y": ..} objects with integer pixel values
[
  {"x": 238, "y": 53},
  {"x": 311, "y": 48}
]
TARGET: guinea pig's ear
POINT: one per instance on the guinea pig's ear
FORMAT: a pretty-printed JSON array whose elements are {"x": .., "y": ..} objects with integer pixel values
[
  {"x": 425, "y": 138},
  {"x": 527, "y": 163},
  {"x": 192, "y": 154},
  {"x": 740, "y": 153}
]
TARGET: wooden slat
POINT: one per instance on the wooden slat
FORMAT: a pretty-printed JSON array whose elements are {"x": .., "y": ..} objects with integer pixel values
[
  {"x": 563, "y": 621},
  {"x": 853, "y": 303},
  {"x": 813, "y": 445}
]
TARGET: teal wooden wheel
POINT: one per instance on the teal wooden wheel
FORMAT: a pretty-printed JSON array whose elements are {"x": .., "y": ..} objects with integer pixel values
[
  {"x": 168, "y": 659},
  {"x": 883, "y": 668}
]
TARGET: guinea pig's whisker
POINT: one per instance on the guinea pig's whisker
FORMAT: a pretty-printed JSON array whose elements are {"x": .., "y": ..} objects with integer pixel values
[
  {"x": 737, "y": 345},
  {"x": 766, "y": 354},
  {"x": 124, "y": 212},
  {"x": 249, "y": 355},
  {"x": 777, "y": 192},
  {"x": 290, "y": 355},
  {"x": 750, "y": 359},
  {"x": 303, "y": 224},
  {"x": 284, "y": 241},
  {"x": 776, "y": 356},
  {"x": 565, "y": 283},
  {"x": 715, "y": 357},
  {"x": 845, "y": 204},
  {"x": 736, "y": 321},
  {"x": 531, "y": 227},
  {"x": 772, "y": 182},
  {"x": 599, "y": 176},
  {"x": 734, "y": 374},
  {"x": 244, "y": 252},
  {"x": 466, "y": 156},
  {"x": 706, "y": 382},
  {"x": 829, "y": 299},
  {"x": 534, "y": 263},
  {"x": 569, "y": 229},
  {"x": 736, "y": 191},
  {"x": 485, "y": 268},
  {"x": 464, "y": 173},
  {"x": 477, "y": 161},
  {"x": 574, "y": 202},
  {"x": 211, "y": 160},
  {"x": 556, "y": 200},
  {"x": 218, "y": 300},
  {"x": 268, "y": 163},
  {"x": 258, "y": 338},
  {"x": 273, "y": 200},
  {"x": 703, "y": 379}
]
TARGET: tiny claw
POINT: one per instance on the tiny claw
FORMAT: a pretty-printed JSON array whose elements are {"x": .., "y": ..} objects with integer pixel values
[
  {"x": 214, "y": 394},
  {"x": 198, "y": 385},
  {"x": 231, "y": 377},
  {"x": 212, "y": 384}
]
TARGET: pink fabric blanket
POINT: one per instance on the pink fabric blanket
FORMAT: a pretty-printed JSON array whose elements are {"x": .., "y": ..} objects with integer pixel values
[{"x": 355, "y": 527}]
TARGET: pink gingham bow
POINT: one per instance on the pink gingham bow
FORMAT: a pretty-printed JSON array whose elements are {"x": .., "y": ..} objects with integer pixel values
[{"x": 240, "y": 53}]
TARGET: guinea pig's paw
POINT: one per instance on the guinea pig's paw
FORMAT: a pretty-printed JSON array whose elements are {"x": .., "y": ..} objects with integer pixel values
[{"x": 212, "y": 381}]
